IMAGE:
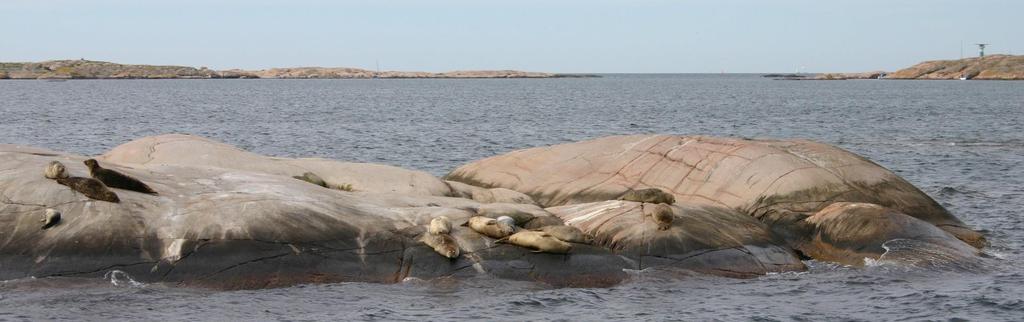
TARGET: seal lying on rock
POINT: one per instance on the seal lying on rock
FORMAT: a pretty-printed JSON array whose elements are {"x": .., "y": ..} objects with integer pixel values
[
  {"x": 490, "y": 227},
  {"x": 440, "y": 225},
  {"x": 443, "y": 244},
  {"x": 567, "y": 233},
  {"x": 50, "y": 218},
  {"x": 90, "y": 187},
  {"x": 651, "y": 195},
  {"x": 116, "y": 179},
  {"x": 312, "y": 178},
  {"x": 661, "y": 213},
  {"x": 540, "y": 241},
  {"x": 55, "y": 170}
]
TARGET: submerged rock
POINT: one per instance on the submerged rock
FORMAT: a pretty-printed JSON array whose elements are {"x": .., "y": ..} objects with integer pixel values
[{"x": 849, "y": 233}]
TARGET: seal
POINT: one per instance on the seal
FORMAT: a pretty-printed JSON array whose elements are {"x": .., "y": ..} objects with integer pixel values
[
  {"x": 50, "y": 218},
  {"x": 661, "y": 213},
  {"x": 90, "y": 187},
  {"x": 116, "y": 179},
  {"x": 312, "y": 178},
  {"x": 440, "y": 225},
  {"x": 567, "y": 234},
  {"x": 443, "y": 244},
  {"x": 490, "y": 227},
  {"x": 539, "y": 241},
  {"x": 651, "y": 195},
  {"x": 55, "y": 170}
]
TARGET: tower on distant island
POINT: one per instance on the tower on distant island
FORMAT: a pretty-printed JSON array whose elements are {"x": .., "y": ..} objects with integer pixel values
[{"x": 981, "y": 49}]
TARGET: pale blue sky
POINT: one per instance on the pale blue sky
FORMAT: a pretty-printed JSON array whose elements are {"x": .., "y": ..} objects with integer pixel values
[{"x": 557, "y": 36}]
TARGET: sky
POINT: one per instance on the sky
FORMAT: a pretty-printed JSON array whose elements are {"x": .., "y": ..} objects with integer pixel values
[{"x": 589, "y": 36}]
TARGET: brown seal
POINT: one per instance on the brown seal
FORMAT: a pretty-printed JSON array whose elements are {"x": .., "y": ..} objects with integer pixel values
[
  {"x": 490, "y": 227},
  {"x": 90, "y": 187},
  {"x": 443, "y": 244},
  {"x": 651, "y": 195},
  {"x": 661, "y": 213},
  {"x": 567, "y": 233},
  {"x": 540, "y": 241},
  {"x": 116, "y": 179}
]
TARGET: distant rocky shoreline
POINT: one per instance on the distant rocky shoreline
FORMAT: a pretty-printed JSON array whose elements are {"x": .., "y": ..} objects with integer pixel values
[
  {"x": 86, "y": 69},
  {"x": 992, "y": 67}
]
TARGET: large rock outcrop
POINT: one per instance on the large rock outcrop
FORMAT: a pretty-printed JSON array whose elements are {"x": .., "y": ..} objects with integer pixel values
[
  {"x": 779, "y": 182},
  {"x": 227, "y": 218},
  {"x": 992, "y": 67}
]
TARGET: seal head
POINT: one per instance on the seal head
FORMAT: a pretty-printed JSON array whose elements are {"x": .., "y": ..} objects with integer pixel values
[{"x": 55, "y": 170}]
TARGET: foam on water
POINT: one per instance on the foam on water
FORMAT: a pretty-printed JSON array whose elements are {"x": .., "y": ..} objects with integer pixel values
[{"x": 119, "y": 278}]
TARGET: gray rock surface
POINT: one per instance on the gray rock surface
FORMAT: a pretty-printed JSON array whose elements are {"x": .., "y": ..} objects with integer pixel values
[{"x": 226, "y": 218}]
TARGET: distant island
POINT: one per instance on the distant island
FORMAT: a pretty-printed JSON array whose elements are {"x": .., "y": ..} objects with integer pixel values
[
  {"x": 87, "y": 69},
  {"x": 992, "y": 67}
]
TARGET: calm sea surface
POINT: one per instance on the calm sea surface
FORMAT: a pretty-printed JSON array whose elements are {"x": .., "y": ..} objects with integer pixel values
[{"x": 961, "y": 142}]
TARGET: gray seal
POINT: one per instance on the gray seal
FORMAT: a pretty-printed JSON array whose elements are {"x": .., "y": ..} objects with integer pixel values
[
  {"x": 440, "y": 225},
  {"x": 50, "y": 218},
  {"x": 55, "y": 170},
  {"x": 651, "y": 195},
  {"x": 443, "y": 244},
  {"x": 312, "y": 178}
]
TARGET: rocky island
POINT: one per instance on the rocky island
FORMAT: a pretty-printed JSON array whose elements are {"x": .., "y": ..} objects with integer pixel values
[
  {"x": 86, "y": 69},
  {"x": 992, "y": 67},
  {"x": 225, "y": 218}
]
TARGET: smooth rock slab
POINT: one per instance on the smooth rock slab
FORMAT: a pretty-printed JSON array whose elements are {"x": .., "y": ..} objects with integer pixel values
[
  {"x": 226, "y": 218},
  {"x": 187, "y": 150},
  {"x": 772, "y": 180}
]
